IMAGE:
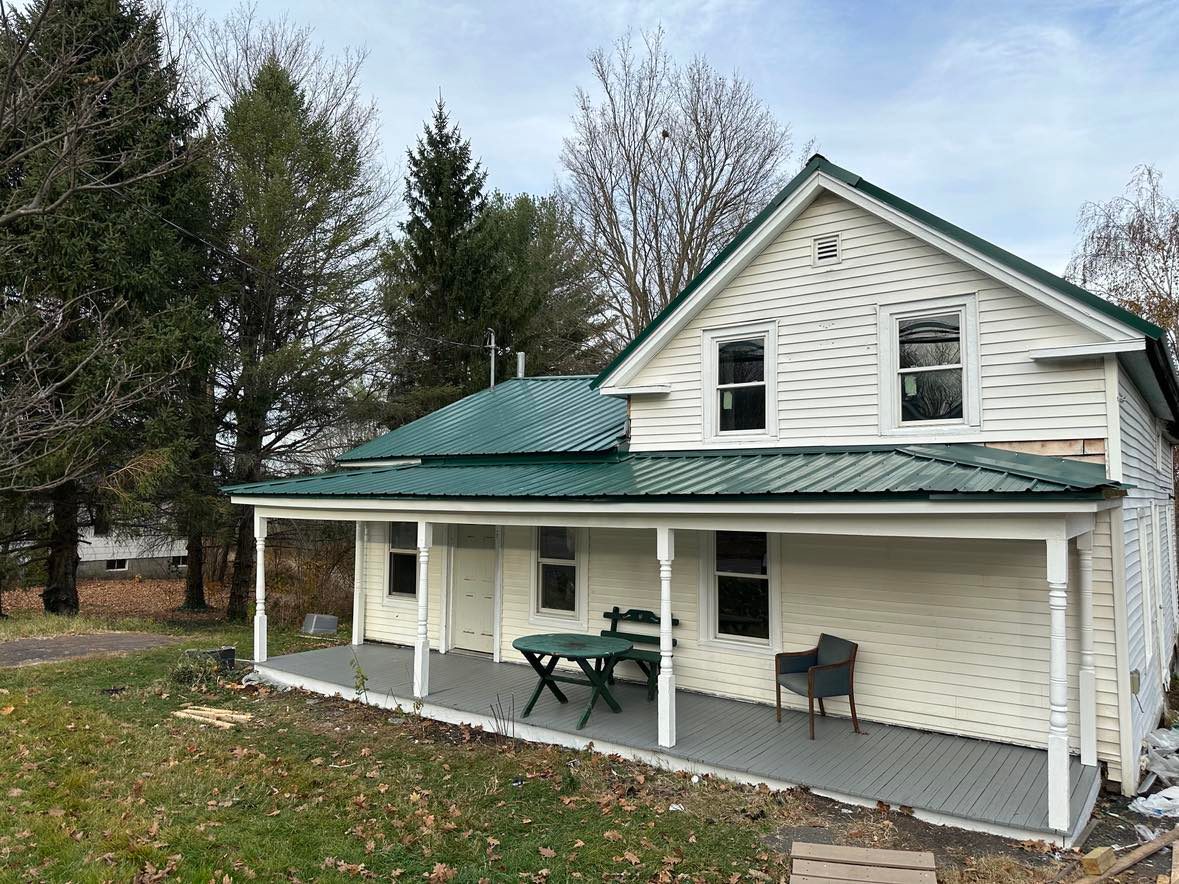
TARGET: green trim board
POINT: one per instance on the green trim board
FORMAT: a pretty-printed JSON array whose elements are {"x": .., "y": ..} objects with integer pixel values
[
  {"x": 534, "y": 415},
  {"x": 909, "y": 472},
  {"x": 819, "y": 163}
]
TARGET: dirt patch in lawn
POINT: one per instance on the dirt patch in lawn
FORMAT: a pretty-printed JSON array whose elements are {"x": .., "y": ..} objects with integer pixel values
[{"x": 150, "y": 599}]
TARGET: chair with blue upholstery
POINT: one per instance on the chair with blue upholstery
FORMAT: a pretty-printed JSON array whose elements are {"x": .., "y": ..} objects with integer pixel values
[{"x": 826, "y": 670}]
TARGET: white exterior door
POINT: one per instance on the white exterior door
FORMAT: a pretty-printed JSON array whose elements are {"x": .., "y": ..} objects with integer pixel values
[{"x": 473, "y": 606}]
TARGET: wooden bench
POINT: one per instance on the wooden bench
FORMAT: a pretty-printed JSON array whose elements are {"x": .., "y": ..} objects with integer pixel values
[
  {"x": 831, "y": 864},
  {"x": 647, "y": 661}
]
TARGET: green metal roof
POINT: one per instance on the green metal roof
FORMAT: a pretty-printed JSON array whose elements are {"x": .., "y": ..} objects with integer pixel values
[
  {"x": 518, "y": 416},
  {"x": 906, "y": 471},
  {"x": 819, "y": 163}
]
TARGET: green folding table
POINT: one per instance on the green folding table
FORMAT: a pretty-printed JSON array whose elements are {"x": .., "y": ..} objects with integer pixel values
[{"x": 592, "y": 653}]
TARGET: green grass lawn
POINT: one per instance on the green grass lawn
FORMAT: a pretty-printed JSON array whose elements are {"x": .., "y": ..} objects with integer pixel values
[{"x": 101, "y": 783}]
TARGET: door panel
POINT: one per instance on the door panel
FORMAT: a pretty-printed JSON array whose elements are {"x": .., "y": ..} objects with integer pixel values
[{"x": 473, "y": 606}]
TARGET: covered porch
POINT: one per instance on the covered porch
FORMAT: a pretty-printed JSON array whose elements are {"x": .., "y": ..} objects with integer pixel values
[
  {"x": 944, "y": 779},
  {"x": 967, "y": 577}
]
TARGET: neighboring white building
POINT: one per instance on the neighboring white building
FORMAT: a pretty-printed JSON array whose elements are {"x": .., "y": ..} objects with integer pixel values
[
  {"x": 933, "y": 448},
  {"x": 129, "y": 555}
]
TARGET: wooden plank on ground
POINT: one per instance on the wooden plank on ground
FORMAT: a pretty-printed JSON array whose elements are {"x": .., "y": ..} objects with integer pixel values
[
  {"x": 868, "y": 856},
  {"x": 868, "y": 873}
]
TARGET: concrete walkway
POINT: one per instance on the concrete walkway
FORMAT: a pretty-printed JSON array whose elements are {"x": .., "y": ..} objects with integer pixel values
[{"x": 29, "y": 651}]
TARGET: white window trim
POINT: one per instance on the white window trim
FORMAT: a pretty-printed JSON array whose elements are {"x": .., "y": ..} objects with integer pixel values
[
  {"x": 579, "y": 617},
  {"x": 707, "y": 636},
  {"x": 711, "y": 338},
  {"x": 402, "y": 601},
  {"x": 888, "y": 317},
  {"x": 125, "y": 561},
  {"x": 838, "y": 259},
  {"x": 1156, "y": 549}
]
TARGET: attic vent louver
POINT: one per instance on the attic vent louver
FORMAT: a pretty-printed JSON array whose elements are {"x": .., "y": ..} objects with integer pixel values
[{"x": 825, "y": 249}]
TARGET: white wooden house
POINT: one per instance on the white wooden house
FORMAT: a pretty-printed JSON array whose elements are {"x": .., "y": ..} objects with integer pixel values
[
  {"x": 858, "y": 420},
  {"x": 119, "y": 555}
]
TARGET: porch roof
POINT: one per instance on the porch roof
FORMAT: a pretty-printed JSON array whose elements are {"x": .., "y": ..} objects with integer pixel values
[{"x": 908, "y": 471}]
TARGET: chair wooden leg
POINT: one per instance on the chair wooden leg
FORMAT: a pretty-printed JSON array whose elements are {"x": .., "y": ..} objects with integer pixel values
[
  {"x": 811, "y": 703},
  {"x": 822, "y": 708},
  {"x": 851, "y": 700},
  {"x": 778, "y": 696}
]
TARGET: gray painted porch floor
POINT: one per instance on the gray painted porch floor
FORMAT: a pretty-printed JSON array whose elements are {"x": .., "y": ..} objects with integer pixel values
[{"x": 969, "y": 779}]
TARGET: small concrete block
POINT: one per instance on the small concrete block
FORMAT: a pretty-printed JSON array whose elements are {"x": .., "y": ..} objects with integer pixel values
[
  {"x": 1098, "y": 861},
  {"x": 320, "y": 624}
]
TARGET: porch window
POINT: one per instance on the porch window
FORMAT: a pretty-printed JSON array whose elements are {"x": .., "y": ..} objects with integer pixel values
[
  {"x": 742, "y": 585},
  {"x": 403, "y": 559},
  {"x": 556, "y": 557}
]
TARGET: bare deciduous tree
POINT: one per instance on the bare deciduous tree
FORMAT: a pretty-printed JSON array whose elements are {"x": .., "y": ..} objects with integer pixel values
[
  {"x": 1129, "y": 250},
  {"x": 665, "y": 167}
]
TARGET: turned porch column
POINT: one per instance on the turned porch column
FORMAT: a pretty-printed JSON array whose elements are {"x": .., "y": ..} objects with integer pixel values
[
  {"x": 421, "y": 648},
  {"x": 1087, "y": 679},
  {"x": 665, "y": 550},
  {"x": 259, "y": 589},
  {"x": 1058, "y": 760}
]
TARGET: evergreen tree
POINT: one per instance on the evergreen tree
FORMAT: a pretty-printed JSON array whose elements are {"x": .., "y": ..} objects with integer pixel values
[
  {"x": 109, "y": 268},
  {"x": 438, "y": 275}
]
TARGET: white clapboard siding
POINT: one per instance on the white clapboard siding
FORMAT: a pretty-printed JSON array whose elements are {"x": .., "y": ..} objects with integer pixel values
[
  {"x": 828, "y": 384},
  {"x": 93, "y": 548},
  {"x": 954, "y": 634},
  {"x": 1146, "y": 466},
  {"x": 396, "y": 619}
]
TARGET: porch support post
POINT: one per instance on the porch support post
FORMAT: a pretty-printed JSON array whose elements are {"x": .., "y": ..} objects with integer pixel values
[
  {"x": 1058, "y": 761},
  {"x": 358, "y": 583},
  {"x": 1087, "y": 681},
  {"x": 259, "y": 589},
  {"x": 421, "y": 649},
  {"x": 665, "y": 549}
]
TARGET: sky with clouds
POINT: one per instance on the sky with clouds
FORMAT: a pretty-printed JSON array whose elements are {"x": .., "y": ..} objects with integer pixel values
[{"x": 1002, "y": 117}]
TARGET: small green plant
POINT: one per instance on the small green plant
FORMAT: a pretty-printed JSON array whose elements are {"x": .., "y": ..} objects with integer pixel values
[
  {"x": 195, "y": 671},
  {"x": 359, "y": 679}
]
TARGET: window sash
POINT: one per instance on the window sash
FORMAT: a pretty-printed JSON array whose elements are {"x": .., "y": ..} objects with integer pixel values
[
  {"x": 557, "y": 564},
  {"x": 720, "y": 388},
  {"x": 752, "y": 577},
  {"x": 900, "y": 373},
  {"x": 401, "y": 533}
]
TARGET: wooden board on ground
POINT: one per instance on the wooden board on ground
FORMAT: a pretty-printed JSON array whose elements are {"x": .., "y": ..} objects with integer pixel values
[{"x": 831, "y": 863}]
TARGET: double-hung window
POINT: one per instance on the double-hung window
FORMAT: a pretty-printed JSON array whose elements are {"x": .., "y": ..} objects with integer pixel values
[
  {"x": 929, "y": 377},
  {"x": 740, "y": 396},
  {"x": 556, "y": 578},
  {"x": 403, "y": 560},
  {"x": 742, "y": 584}
]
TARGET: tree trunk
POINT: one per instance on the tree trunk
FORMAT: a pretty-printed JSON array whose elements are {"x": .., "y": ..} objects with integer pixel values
[
  {"x": 194, "y": 578},
  {"x": 243, "y": 569},
  {"x": 61, "y": 578}
]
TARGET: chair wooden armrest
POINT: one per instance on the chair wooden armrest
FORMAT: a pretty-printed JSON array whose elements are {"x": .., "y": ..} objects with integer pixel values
[{"x": 794, "y": 661}]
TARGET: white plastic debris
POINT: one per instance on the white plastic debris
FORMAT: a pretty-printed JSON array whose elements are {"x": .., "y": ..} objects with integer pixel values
[
  {"x": 695, "y": 779},
  {"x": 1163, "y": 738},
  {"x": 675, "y": 808},
  {"x": 1164, "y": 803}
]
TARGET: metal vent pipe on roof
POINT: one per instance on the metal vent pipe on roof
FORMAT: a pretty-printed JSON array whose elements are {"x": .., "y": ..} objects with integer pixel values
[{"x": 519, "y": 363}]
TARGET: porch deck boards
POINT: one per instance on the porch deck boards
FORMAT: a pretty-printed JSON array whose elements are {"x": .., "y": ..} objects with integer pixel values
[{"x": 984, "y": 782}]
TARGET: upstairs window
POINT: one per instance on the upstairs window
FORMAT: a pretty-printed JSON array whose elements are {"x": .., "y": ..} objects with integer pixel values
[
  {"x": 741, "y": 384},
  {"x": 403, "y": 559},
  {"x": 929, "y": 350},
  {"x": 929, "y": 366},
  {"x": 739, "y": 388}
]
